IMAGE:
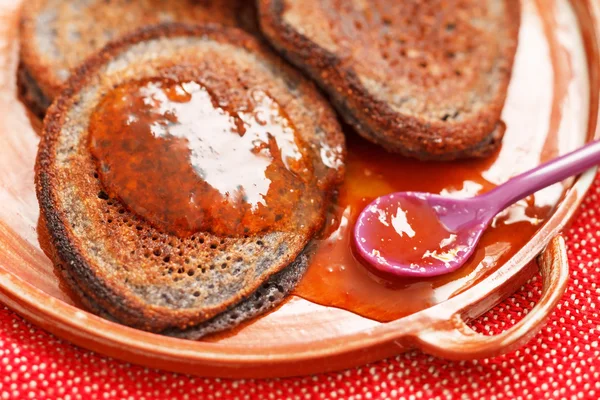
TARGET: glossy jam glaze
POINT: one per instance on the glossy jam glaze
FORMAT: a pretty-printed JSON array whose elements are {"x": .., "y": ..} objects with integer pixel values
[{"x": 188, "y": 160}]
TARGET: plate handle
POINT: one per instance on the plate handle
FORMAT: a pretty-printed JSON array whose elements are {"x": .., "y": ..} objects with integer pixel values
[{"x": 454, "y": 339}]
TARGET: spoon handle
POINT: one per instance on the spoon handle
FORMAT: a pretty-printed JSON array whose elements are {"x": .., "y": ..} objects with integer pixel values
[{"x": 545, "y": 175}]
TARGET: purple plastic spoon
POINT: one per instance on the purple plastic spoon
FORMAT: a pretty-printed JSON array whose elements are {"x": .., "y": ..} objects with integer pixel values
[{"x": 384, "y": 237}]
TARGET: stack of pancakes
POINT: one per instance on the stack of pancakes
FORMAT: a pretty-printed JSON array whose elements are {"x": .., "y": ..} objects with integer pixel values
[{"x": 422, "y": 79}]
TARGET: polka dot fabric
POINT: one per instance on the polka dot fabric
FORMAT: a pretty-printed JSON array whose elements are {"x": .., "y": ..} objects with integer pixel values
[{"x": 561, "y": 362}]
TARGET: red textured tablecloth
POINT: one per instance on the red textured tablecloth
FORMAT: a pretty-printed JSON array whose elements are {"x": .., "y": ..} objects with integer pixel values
[{"x": 561, "y": 362}]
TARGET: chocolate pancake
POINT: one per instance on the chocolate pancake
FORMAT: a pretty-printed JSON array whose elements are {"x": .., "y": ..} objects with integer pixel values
[
  {"x": 425, "y": 79},
  {"x": 57, "y": 35},
  {"x": 182, "y": 175}
]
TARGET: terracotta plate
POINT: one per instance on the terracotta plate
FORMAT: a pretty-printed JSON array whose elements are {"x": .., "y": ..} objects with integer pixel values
[{"x": 552, "y": 108}]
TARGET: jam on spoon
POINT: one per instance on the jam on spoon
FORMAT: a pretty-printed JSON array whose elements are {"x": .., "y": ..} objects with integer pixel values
[{"x": 414, "y": 234}]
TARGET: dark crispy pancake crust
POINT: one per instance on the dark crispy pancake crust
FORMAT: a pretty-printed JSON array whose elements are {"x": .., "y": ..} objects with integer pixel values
[
  {"x": 271, "y": 294},
  {"x": 30, "y": 93},
  {"x": 375, "y": 119},
  {"x": 100, "y": 294}
]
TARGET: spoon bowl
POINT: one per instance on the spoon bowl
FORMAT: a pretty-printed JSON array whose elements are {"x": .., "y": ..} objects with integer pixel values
[{"x": 415, "y": 234}]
